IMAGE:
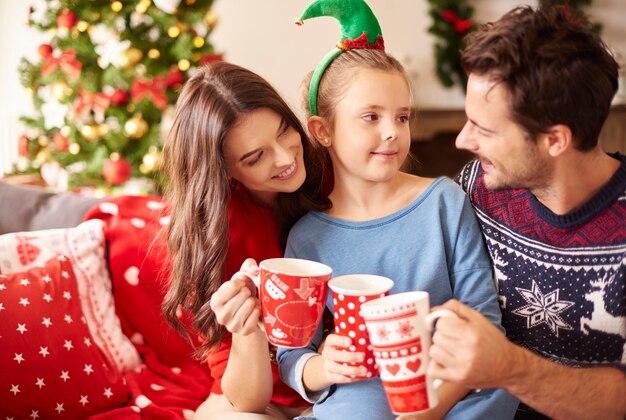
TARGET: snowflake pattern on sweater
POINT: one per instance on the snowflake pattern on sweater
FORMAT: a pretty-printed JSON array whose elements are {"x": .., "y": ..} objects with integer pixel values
[{"x": 561, "y": 278}]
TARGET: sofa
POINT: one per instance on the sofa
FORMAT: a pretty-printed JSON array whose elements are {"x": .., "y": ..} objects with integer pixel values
[{"x": 81, "y": 333}]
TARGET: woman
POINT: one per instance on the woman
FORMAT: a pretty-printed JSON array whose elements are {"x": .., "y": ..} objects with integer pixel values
[{"x": 241, "y": 172}]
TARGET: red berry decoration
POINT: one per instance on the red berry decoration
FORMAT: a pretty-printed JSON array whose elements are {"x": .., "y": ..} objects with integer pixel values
[
  {"x": 61, "y": 143},
  {"x": 45, "y": 51},
  {"x": 22, "y": 146},
  {"x": 67, "y": 20},
  {"x": 119, "y": 98},
  {"x": 116, "y": 170}
]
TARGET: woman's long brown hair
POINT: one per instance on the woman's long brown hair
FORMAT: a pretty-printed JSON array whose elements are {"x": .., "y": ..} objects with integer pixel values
[{"x": 210, "y": 104}]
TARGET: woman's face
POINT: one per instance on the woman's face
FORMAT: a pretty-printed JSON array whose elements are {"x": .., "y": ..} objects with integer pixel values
[{"x": 265, "y": 155}]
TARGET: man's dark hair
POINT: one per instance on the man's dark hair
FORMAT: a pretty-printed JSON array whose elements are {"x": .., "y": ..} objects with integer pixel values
[{"x": 555, "y": 67}]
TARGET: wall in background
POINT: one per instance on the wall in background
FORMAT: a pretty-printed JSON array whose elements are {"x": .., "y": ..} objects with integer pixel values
[{"x": 261, "y": 35}]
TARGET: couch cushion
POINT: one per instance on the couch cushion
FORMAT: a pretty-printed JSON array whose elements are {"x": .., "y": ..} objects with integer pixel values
[
  {"x": 34, "y": 208},
  {"x": 50, "y": 365},
  {"x": 85, "y": 246}
]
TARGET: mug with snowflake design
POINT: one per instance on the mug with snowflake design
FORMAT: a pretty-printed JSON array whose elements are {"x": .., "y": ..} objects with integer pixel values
[
  {"x": 348, "y": 293},
  {"x": 399, "y": 328}
]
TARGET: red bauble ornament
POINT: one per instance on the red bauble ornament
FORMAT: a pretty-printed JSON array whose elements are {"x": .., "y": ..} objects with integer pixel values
[
  {"x": 119, "y": 98},
  {"x": 116, "y": 170},
  {"x": 61, "y": 143},
  {"x": 22, "y": 146},
  {"x": 45, "y": 51},
  {"x": 174, "y": 77},
  {"x": 67, "y": 20}
]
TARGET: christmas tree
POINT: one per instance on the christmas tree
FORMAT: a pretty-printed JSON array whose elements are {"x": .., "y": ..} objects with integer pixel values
[{"x": 104, "y": 86}]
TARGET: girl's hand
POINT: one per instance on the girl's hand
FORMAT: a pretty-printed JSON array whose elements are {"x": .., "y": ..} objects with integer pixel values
[
  {"x": 235, "y": 305},
  {"x": 335, "y": 370}
]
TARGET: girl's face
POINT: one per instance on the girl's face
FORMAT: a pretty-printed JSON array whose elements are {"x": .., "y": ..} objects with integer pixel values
[
  {"x": 265, "y": 155},
  {"x": 371, "y": 137}
]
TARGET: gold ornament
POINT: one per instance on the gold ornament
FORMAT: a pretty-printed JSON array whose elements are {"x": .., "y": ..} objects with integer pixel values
[
  {"x": 95, "y": 16},
  {"x": 66, "y": 131},
  {"x": 42, "y": 156},
  {"x": 198, "y": 42},
  {"x": 211, "y": 19},
  {"x": 151, "y": 161},
  {"x": 74, "y": 148},
  {"x": 154, "y": 53},
  {"x": 116, "y": 6},
  {"x": 43, "y": 141},
  {"x": 142, "y": 6},
  {"x": 131, "y": 57},
  {"x": 190, "y": 2},
  {"x": 136, "y": 127},
  {"x": 183, "y": 65},
  {"x": 82, "y": 25},
  {"x": 196, "y": 56},
  {"x": 173, "y": 31},
  {"x": 60, "y": 89},
  {"x": 93, "y": 132}
]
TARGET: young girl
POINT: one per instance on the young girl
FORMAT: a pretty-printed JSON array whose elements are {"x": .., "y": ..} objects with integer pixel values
[
  {"x": 240, "y": 172},
  {"x": 420, "y": 232}
]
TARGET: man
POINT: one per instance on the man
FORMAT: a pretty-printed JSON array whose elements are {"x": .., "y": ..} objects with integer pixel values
[{"x": 552, "y": 207}]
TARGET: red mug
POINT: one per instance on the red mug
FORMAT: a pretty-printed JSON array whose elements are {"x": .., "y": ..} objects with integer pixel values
[
  {"x": 348, "y": 293},
  {"x": 293, "y": 296}
]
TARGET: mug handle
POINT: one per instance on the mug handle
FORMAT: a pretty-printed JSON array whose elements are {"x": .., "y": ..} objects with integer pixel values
[
  {"x": 257, "y": 281},
  {"x": 431, "y": 318},
  {"x": 435, "y": 315}
]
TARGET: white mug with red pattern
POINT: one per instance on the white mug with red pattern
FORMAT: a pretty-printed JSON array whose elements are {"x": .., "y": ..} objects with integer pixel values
[
  {"x": 348, "y": 293},
  {"x": 399, "y": 328}
]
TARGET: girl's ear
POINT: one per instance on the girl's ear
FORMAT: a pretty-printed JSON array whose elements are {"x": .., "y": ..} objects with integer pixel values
[{"x": 318, "y": 127}]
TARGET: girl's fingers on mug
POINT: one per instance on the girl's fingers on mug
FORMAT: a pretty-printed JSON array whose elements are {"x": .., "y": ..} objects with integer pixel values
[
  {"x": 342, "y": 356},
  {"x": 335, "y": 340},
  {"x": 226, "y": 292}
]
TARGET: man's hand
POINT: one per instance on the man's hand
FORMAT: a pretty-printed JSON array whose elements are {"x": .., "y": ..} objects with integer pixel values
[{"x": 469, "y": 350}]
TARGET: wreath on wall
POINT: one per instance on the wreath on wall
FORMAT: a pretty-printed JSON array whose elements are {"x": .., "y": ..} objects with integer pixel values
[{"x": 453, "y": 20}]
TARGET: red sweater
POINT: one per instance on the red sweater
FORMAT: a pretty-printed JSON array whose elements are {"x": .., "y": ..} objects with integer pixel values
[{"x": 253, "y": 234}]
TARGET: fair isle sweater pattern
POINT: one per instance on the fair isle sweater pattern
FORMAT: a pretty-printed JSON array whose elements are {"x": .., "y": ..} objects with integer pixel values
[{"x": 561, "y": 278}]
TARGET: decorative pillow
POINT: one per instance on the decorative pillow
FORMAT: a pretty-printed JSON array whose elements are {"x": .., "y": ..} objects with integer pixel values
[
  {"x": 49, "y": 363},
  {"x": 140, "y": 263},
  {"x": 85, "y": 247}
]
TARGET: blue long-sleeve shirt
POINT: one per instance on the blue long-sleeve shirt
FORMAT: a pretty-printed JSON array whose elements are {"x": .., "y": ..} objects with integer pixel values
[{"x": 433, "y": 244}]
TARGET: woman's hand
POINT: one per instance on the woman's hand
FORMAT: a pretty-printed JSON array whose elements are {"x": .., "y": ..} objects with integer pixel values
[{"x": 234, "y": 303}]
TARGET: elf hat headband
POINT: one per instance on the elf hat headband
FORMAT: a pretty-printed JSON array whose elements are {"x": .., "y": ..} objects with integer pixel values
[{"x": 359, "y": 30}]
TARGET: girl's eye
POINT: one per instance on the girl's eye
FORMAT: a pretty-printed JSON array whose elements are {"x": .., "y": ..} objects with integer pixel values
[
  {"x": 370, "y": 117},
  {"x": 255, "y": 160},
  {"x": 404, "y": 119}
]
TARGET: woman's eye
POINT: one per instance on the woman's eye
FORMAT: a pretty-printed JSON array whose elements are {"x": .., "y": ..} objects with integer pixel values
[
  {"x": 404, "y": 118},
  {"x": 255, "y": 160}
]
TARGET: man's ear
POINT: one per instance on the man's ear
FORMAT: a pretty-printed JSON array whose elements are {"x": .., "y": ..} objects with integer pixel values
[
  {"x": 557, "y": 140},
  {"x": 318, "y": 127}
]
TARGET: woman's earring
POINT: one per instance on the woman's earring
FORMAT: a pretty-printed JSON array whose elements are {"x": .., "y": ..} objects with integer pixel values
[{"x": 325, "y": 140}]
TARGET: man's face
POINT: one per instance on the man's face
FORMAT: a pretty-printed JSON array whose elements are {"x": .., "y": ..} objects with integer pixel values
[{"x": 508, "y": 157}]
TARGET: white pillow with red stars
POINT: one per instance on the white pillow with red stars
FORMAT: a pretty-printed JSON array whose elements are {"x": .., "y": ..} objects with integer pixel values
[
  {"x": 50, "y": 365},
  {"x": 84, "y": 245}
]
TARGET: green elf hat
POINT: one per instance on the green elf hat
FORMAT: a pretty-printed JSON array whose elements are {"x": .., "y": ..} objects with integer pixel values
[{"x": 359, "y": 29}]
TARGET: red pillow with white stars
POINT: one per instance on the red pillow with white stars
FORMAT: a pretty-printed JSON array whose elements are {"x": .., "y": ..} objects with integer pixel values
[{"x": 50, "y": 365}]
